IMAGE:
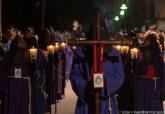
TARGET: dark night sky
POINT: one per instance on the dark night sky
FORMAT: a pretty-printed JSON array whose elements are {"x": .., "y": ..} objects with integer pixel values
[{"x": 59, "y": 13}]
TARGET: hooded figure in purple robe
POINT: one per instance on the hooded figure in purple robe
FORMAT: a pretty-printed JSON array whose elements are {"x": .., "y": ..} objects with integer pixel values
[
  {"x": 149, "y": 77},
  {"x": 18, "y": 97},
  {"x": 80, "y": 78}
]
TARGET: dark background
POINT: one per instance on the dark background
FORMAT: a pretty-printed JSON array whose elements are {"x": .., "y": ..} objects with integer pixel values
[
  {"x": 58, "y": 13},
  {"x": 61, "y": 13}
]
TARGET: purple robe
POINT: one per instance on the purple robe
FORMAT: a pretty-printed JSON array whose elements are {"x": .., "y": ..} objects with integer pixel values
[
  {"x": 12, "y": 102},
  {"x": 69, "y": 60},
  {"x": 17, "y": 91},
  {"x": 114, "y": 77},
  {"x": 57, "y": 76},
  {"x": 126, "y": 98},
  {"x": 147, "y": 91}
]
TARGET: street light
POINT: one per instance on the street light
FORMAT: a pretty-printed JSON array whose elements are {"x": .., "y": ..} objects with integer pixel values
[
  {"x": 123, "y": 7},
  {"x": 122, "y": 12},
  {"x": 117, "y": 18}
]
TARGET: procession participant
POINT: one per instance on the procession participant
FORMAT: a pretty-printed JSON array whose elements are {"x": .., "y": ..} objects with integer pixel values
[
  {"x": 82, "y": 83},
  {"x": 17, "y": 94},
  {"x": 149, "y": 75}
]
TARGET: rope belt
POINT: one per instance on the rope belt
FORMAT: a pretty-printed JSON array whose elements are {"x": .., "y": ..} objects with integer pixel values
[{"x": 155, "y": 79}]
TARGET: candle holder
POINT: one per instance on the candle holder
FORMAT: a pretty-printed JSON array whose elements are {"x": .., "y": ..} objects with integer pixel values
[
  {"x": 134, "y": 53},
  {"x": 51, "y": 53},
  {"x": 57, "y": 47},
  {"x": 32, "y": 69},
  {"x": 125, "y": 49},
  {"x": 33, "y": 61},
  {"x": 118, "y": 47},
  {"x": 51, "y": 49},
  {"x": 63, "y": 45},
  {"x": 33, "y": 53}
]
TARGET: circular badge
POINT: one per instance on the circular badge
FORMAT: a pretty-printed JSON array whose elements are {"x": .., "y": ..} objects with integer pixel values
[
  {"x": 98, "y": 80},
  {"x": 18, "y": 73}
]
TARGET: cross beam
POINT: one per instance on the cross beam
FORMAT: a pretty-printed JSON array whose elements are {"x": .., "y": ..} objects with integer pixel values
[{"x": 91, "y": 42}]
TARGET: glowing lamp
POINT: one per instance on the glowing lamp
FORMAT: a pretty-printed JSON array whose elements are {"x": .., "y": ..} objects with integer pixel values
[
  {"x": 51, "y": 49},
  {"x": 134, "y": 53},
  {"x": 125, "y": 49},
  {"x": 33, "y": 53},
  {"x": 57, "y": 46},
  {"x": 124, "y": 7},
  {"x": 122, "y": 12},
  {"x": 63, "y": 45},
  {"x": 117, "y": 18}
]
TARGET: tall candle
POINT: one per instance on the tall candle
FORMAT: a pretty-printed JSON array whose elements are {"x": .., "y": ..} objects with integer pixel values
[
  {"x": 63, "y": 45},
  {"x": 125, "y": 49},
  {"x": 33, "y": 53},
  {"x": 51, "y": 49},
  {"x": 134, "y": 53},
  {"x": 57, "y": 46},
  {"x": 121, "y": 49},
  {"x": 118, "y": 47}
]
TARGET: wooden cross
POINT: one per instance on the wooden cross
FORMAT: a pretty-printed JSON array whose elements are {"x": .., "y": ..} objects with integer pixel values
[{"x": 98, "y": 43}]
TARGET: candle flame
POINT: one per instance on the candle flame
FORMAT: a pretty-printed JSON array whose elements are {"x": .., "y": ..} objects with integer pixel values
[
  {"x": 33, "y": 53},
  {"x": 134, "y": 53},
  {"x": 51, "y": 49}
]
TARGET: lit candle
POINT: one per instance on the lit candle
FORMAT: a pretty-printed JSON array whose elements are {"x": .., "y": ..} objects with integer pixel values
[
  {"x": 121, "y": 49},
  {"x": 51, "y": 49},
  {"x": 33, "y": 53},
  {"x": 118, "y": 47},
  {"x": 125, "y": 49},
  {"x": 74, "y": 47},
  {"x": 63, "y": 45},
  {"x": 57, "y": 46},
  {"x": 134, "y": 53}
]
